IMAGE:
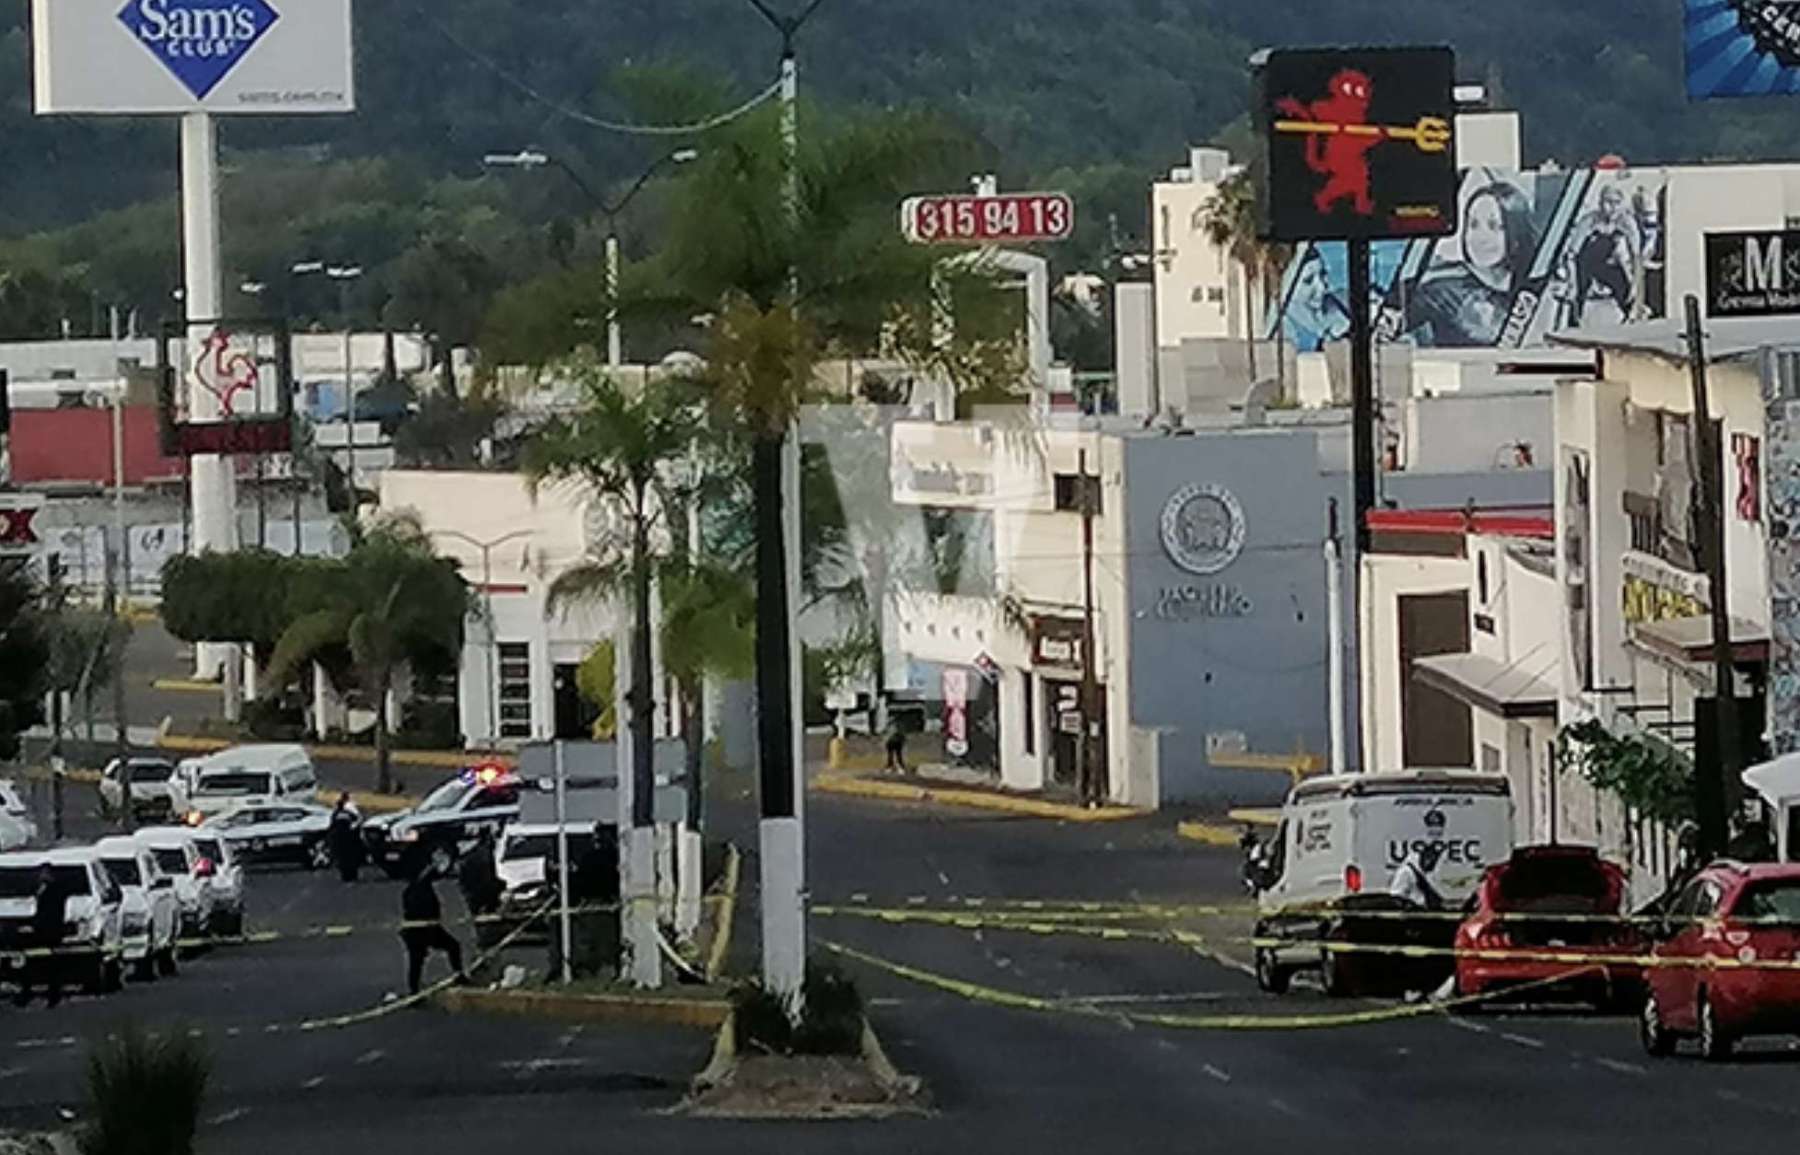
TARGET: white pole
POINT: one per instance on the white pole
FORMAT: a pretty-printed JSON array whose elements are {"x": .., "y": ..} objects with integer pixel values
[
  {"x": 562, "y": 865},
  {"x": 349, "y": 400},
  {"x": 214, "y": 484},
  {"x": 1334, "y": 613},
  {"x": 615, "y": 338}
]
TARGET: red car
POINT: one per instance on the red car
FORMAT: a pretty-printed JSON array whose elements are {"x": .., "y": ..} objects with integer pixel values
[
  {"x": 1704, "y": 979},
  {"x": 1502, "y": 945}
]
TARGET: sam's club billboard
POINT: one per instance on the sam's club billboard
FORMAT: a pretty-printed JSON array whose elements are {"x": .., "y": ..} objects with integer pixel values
[{"x": 178, "y": 56}]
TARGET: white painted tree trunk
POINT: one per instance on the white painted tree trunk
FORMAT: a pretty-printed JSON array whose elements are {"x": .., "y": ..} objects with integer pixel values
[{"x": 688, "y": 867}]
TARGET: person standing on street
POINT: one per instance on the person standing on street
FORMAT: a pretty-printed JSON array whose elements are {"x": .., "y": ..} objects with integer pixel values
[
  {"x": 423, "y": 927},
  {"x": 896, "y": 747},
  {"x": 346, "y": 839},
  {"x": 1412, "y": 878},
  {"x": 47, "y": 917},
  {"x": 478, "y": 878}
]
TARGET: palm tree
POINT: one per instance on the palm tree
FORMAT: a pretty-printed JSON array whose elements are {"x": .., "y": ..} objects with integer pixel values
[
  {"x": 623, "y": 448},
  {"x": 391, "y": 602},
  {"x": 1230, "y": 220}
]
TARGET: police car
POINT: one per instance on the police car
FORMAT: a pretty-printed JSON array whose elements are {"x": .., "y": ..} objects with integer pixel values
[
  {"x": 451, "y": 818},
  {"x": 291, "y": 832}
]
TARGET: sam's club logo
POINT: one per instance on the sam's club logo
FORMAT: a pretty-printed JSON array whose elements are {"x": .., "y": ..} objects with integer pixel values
[{"x": 200, "y": 41}]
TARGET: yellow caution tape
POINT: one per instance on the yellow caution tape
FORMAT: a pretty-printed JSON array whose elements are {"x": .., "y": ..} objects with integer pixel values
[{"x": 995, "y": 996}]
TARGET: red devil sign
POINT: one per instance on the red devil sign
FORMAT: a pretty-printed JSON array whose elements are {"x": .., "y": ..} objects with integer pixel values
[
  {"x": 1359, "y": 143},
  {"x": 18, "y": 533}
]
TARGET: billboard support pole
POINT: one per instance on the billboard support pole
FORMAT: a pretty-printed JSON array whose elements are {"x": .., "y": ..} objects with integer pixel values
[
  {"x": 1362, "y": 391},
  {"x": 213, "y": 485}
]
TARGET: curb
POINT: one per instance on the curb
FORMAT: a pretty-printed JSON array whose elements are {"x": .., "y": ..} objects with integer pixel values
[
  {"x": 973, "y": 799},
  {"x": 724, "y": 1057},
  {"x": 727, "y": 913},
  {"x": 1208, "y": 833},
  {"x": 569, "y": 1008},
  {"x": 443, "y": 759},
  {"x": 43, "y": 774},
  {"x": 901, "y": 1088},
  {"x": 185, "y": 686},
  {"x": 366, "y": 802},
  {"x": 1256, "y": 817}
]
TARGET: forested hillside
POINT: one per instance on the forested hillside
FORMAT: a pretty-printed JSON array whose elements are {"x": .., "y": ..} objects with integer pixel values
[{"x": 1097, "y": 94}]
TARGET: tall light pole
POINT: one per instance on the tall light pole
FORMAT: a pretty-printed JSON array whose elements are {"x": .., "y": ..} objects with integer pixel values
[
  {"x": 486, "y": 549},
  {"x": 611, "y": 210},
  {"x": 775, "y": 483},
  {"x": 345, "y": 276}
]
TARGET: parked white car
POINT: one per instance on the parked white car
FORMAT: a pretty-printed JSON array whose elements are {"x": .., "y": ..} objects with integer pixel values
[
  {"x": 223, "y": 872},
  {"x": 148, "y": 780},
  {"x": 243, "y": 776},
  {"x": 150, "y": 915},
  {"x": 15, "y": 817},
  {"x": 177, "y": 856},
  {"x": 14, "y": 834},
  {"x": 92, "y": 948}
]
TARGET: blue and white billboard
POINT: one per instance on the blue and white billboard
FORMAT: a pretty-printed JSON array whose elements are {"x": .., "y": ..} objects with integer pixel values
[
  {"x": 1533, "y": 253},
  {"x": 179, "y": 56},
  {"x": 1742, "y": 48}
]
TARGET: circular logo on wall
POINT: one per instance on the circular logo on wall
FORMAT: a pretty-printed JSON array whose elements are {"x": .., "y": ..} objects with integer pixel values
[{"x": 1203, "y": 528}]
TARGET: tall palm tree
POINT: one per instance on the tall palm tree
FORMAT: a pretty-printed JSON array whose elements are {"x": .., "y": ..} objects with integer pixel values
[
  {"x": 1229, "y": 219},
  {"x": 623, "y": 448},
  {"x": 391, "y": 602}
]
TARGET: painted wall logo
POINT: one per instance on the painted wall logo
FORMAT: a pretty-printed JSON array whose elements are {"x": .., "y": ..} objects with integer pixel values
[
  {"x": 200, "y": 41},
  {"x": 1203, "y": 529}
]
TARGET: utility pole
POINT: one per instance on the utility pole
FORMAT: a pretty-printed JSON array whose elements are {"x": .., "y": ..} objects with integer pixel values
[
  {"x": 119, "y": 598},
  {"x": 1090, "y": 773},
  {"x": 1334, "y": 618},
  {"x": 775, "y": 471},
  {"x": 1362, "y": 393},
  {"x": 1713, "y": 777}
]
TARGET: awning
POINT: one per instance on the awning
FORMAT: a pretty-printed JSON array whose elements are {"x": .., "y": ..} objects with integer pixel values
[
  {"x": 1506, "y": 691},
  {"x": 1691, "y": 639},
  {"x": 1778, "y": 781}
]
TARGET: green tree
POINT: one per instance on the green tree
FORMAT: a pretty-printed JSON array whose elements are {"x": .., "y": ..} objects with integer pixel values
[
  {"x": 24, "y": 655},
  {"x": 1229, "y": 220},
  {"x": 391, "y": 602},
  {"x": 623, "y": 448}
]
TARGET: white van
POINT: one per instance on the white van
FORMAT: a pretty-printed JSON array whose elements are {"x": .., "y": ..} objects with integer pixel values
[
  {"x": 243, "y": 776},
  {"x": 1334, "y": 856}
]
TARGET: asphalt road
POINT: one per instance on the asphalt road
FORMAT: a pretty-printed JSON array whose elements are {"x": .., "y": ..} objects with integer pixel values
[{"x": 1005, "y": 1079}]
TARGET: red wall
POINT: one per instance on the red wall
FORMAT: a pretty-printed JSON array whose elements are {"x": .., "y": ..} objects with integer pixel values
[{"x": 75, "y": 445}]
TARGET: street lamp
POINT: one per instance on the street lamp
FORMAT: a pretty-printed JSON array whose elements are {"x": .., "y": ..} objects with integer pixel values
[
  {"x": 611, "y": 210},
  {"x": 486, "y": 549},
  {"x": 344, "y": 275}
]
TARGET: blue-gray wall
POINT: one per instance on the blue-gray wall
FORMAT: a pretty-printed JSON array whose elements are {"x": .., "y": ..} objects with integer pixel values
[{"x": 1264, "y": 674}]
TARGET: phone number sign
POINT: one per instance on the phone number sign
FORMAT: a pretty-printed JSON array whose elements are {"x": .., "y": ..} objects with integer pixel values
[{"x": 1011, "y": 218}]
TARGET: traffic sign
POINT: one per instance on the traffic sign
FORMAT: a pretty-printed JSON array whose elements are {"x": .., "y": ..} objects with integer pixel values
[{"x": 1004, "y": 219}]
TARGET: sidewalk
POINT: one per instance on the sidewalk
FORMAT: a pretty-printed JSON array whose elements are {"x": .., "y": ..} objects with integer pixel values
[{"x": 949, "y": 786}]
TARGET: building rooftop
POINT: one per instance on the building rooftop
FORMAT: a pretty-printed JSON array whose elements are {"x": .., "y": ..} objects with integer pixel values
[{"x": 1727, "y": 339}]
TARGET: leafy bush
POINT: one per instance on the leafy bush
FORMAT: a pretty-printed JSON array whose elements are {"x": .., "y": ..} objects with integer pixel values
[
  {"x": 831, "y": 1024},
  {"x": 429, "y": 725},
  {"x": 274, "y": 720},
  {"x": 1648, "y": 775},
  {"x": 145, "y": 1094}
]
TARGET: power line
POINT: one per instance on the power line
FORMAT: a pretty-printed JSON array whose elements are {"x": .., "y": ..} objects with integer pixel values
[{"x": 524, "y": 88}]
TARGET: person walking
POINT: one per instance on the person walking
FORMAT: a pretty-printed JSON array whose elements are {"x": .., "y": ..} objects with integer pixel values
[
  {"x": 422, "y": 929},
  {"x": 1412, "y": 878},
  {"x": 346, "y": 839},
  {"x": 896, "y": 747},
  {"x": 478, "y": 877},
  {"x": 50, "y": 903}
]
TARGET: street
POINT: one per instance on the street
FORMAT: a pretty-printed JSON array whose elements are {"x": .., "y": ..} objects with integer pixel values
[{"x": 425, "y": 1079}]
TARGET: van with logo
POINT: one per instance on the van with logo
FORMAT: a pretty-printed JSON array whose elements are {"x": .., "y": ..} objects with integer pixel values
[
  {"x": 1323, "y": 878},
  {"x": 242, "y": 776}
]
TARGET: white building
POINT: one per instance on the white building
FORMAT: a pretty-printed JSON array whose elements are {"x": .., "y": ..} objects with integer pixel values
[{"x": 517, "y": 681}]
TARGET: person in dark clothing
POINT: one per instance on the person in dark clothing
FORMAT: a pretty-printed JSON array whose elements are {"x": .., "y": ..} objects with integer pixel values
[
  {"x": 896, "y": 747},
  {"x": 47, "y": 918},
  {"x": 346, "y": 839},
  {"x": 423, "y": 930},
  {"x": 479, "y": 879},
  {"x": 595, "y": 877}
]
